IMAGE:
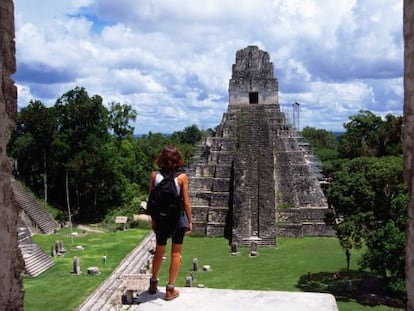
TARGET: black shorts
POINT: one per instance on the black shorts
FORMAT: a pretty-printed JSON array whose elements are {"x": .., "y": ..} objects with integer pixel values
[{"x": 177, "y": 237}]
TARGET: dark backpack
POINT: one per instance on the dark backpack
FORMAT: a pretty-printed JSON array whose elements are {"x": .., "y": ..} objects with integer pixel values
[{"x": 164, "y": 203}]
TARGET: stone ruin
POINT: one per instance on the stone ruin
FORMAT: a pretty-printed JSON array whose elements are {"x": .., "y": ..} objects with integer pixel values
[
  {"x": 408, "y": 139},
  {"x": 12, "y": 264},
  {"x": 212, "y": 209},
  {"x": 12, "y": 230},
  {"x": 251, "y": 181}
]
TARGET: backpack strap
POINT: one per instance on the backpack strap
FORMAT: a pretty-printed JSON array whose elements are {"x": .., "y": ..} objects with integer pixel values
[
  {"x": 178, "y": 172},
  {"x": 172, "y": 175}
]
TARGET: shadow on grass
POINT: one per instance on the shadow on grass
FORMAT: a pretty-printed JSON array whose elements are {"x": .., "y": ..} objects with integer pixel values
[{"x": 360, "y": 286}]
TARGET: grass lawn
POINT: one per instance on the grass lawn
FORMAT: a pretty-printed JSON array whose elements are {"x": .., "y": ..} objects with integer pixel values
[
  {"x": 283, "y": 268},
  {"x": 59, "y": 289}
]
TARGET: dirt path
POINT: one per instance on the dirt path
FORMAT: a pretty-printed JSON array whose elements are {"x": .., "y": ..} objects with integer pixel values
[{"x": 89, "y": 229}]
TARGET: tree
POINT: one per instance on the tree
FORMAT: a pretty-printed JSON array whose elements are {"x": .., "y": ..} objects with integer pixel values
[
  {"x": 325, "y": 143},
  {"x": 369, "y": 200},
  {"x": 119, "y": 118},
  {"x": 391, "y": 135},
  {"x": 93, "y": 163},
  {"x": 31, "y": 144},
  {"x": 82, "y": 134},
  {"x": 320, "y": 138},
  {"x": 190, "y": 135},
  {"x": 362, "y": 136}
]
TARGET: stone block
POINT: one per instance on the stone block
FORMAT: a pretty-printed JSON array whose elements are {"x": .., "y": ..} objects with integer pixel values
[
  {"x": 223, "y": 170},
  {"x": 215, "y": 230},
  {"x": 217, "y": 215},
  {"x": 221, "y": 185},
  {"x": 225, "y": 157},
  {"x": 135, "y": 282},
  {"x": 209, "y": 170},
  {"x": 219, "y": 199},
  {"x": 202, "y": 183},
  {"x": 200, "y": 198}
]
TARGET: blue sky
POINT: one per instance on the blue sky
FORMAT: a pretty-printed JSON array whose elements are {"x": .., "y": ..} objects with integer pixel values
[{"x": 171, "y": 60}]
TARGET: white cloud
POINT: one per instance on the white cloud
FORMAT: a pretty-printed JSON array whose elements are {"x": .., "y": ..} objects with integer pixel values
[{"x": 172, "y": 60}]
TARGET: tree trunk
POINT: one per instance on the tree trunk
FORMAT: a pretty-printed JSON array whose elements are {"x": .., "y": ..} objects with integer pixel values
[
  {"x": 68, "y": 204},
  {"x": 45, "y": 175}
]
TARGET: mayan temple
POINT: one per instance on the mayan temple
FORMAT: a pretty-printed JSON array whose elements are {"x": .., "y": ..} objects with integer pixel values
[{"x": 252, "y": 181}]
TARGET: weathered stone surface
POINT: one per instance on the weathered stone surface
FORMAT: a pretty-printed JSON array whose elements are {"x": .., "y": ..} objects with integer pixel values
[
  {"x": 241, "y": 300},
  {"x": 252, "y": 78},
  {"x": 12, "y": 265},
  {"x": 93, "y": 271},
  {"x": 253, "y": 164},
  {"x": 408, "y": 138}
]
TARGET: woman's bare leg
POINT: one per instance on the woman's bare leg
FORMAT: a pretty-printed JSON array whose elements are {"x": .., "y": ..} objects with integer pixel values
[
  {"x": 157, "y": 261},
  {"x": 175, "y": 263}
]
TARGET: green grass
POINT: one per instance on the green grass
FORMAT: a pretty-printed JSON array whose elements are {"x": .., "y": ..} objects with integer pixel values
[
  {"x": 58, "y": 288},
  {"x": 283, "y": 268},
  {"x": 274, "y": 269}
]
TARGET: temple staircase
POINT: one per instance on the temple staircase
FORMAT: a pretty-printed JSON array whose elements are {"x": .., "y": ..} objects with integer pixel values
[{"x": 33, "y": 219}]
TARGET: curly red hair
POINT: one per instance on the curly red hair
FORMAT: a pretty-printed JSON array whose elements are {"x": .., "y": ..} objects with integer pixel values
[{"x": 170, "y": 158}]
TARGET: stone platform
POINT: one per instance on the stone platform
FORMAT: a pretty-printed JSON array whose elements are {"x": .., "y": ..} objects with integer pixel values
[
  {"x": 207, "y": 299},
  {"x": 108, "y": 296}
]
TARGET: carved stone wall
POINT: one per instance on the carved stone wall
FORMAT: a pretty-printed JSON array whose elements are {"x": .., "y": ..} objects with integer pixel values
[
  {"x": 408, "y": 137},
  {"x": 253, "y": 165},
  {"x": 253, "y": 182},
  {"x": 11, "y": 267},
  {"x": 252, "y": 78}
]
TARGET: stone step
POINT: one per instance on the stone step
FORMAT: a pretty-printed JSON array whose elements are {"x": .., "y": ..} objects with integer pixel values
[
  {"x": 33, "y": 209},
  {"x": 264, "y": 242},
  {"x": 304, "y": 229},
  {"x": 213, "y": 184},
  {"x": 35, "y": 259},
  {"x": 212, "y": 170},
  {"x": 38, "y": 267},
  {"x": 106, "y": 296}
]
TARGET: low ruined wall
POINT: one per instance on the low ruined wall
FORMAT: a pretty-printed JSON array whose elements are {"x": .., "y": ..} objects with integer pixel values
[
  {"x": 300, "y": 215},
  {"x": 297, "y": 222},
  {"x": 11, "y": 293}
]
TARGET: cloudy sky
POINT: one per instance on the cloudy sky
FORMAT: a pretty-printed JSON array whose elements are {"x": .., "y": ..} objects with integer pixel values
[{"x": 171, "y": 59}]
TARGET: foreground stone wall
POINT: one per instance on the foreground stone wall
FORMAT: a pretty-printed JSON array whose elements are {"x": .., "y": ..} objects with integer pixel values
[
  {"x": 11, "y": 268},
  {"x": 408, "y": 136}
]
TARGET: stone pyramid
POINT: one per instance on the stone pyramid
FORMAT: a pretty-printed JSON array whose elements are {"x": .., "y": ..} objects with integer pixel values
[{"x": 252, "y": 181}]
